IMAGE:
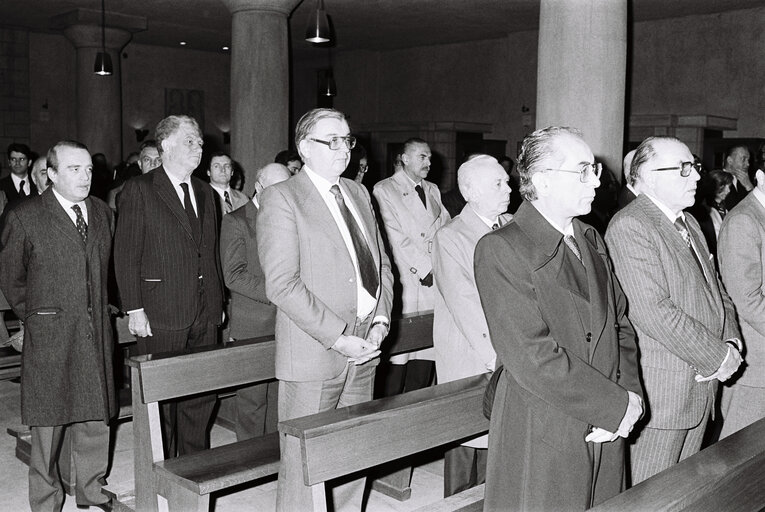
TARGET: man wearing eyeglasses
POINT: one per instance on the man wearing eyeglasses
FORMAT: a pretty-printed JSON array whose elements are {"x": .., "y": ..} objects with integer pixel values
[
  {"x": 684, "y": 319},
  {"x": 569, "y": 393},
  {"x": 328, "y": 275},
  {"x": 18, "y": 185}
]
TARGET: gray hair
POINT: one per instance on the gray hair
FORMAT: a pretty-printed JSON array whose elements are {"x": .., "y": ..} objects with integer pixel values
[
  {"x": 309, "y": 120},
  {"x": 536, "y": 147},
  {"x": 468, "y": 170},
  {"x": 644, "y": 153},
  {"x": 169, "y": 126}
]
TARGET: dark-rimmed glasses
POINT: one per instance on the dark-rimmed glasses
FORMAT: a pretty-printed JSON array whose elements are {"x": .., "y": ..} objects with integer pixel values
[
  {"x": 585, "y": 172},
  {"x": 685, "y": 168},
  {"x": 334, "y": 142}
]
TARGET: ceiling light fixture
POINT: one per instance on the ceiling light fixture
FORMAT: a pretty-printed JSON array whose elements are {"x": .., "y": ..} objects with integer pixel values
[
  {"x": 103, "y": 64},
  {"x": 318, "y": 25},
  {"x": 225, "y": 48},
  {"x": 183, "y": 43}
]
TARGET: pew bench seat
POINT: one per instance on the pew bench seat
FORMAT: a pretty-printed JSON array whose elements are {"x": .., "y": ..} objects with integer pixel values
[{"x": 188, "y": 480}]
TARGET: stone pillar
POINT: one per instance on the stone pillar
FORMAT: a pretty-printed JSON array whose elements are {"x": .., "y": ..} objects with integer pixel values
[
  {"x": 582, "y": 71},
  {"x": 260, "y": 86},
  {"x": 99, "y": 101}
]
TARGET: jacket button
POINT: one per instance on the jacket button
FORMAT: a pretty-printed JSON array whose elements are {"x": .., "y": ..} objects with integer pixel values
[
  {"x": 618, "y": 374},
  {"x": 616, "y": 325},
  {"x": 588, "y": 338}
]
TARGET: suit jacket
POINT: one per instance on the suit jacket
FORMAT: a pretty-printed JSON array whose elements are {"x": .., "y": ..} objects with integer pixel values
[
  {"x": 57, "y": 286},
  {"x": 7, "y": 186},
  {"x": 682, "y": 320},
  {"x": 238, "y": 199},
  {"x": 742, "y": 267},
  {"x": 156, "y": 259},
  {"x": 460, "y": 334},
  {"x": 736, "y": 194},
  {"x": 3, "y": 203},
  {"x": 560, "y": 330},
  {"x": 410, "y": 229},
  {"x": 252, "y": 314},
  {"x": 310, "y": 276}
]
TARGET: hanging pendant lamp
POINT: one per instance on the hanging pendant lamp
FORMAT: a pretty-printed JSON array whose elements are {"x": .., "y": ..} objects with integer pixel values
[
  {"x": 103, "y": 64},
  {"x": 318, "y": 25}
]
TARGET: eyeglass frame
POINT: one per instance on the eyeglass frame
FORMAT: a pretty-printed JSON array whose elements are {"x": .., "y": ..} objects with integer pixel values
[
  {"x": 685, "y": 168},
  {"x": 585, "y": 172},
  {"x": 350, "y": 142}
]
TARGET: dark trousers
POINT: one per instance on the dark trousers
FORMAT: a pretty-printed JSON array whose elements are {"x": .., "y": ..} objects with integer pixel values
[
  {"x": 185, "y": 422},
  {"x": 89, "y": 452},
  {"x": 464, "y": 467}
]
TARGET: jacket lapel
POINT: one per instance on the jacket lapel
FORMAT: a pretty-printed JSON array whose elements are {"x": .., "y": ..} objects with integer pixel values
[
  {"x": 313, "y": 202},
  {"x": 167, "y": 194},
  {"x": 411, "y": 199},
  {"x": 597, "y": 279},
  {"x": 367, "y": 218},
  {"x": 61, "y": 218}
]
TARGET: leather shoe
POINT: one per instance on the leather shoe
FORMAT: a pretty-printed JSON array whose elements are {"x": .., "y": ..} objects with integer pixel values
[{"x": 106, "y": 506}]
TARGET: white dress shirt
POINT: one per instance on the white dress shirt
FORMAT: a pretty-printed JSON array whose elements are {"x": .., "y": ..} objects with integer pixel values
[
  {"x": 178, "y": 190},
  {"x": 17, "y": 181}
]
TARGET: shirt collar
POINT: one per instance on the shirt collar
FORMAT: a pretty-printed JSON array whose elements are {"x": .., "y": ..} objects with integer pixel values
[
  {"x": 759, "y": 195},
  {"x": 221, "y": 190},
  {"x": 66, "y": 203},
  {"x": 666, "y": 211},
  {"x": 320, "y": 182},
  {"x": 176, "y": 182},
  {"x": 485, "y": 220},
  {"x": 414, "y": 183},
  {"x": 17, "y": 180},
  {"x": 255, "y": 201}
]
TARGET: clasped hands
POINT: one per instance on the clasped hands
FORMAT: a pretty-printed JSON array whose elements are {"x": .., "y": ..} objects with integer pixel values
[
  {"x": 360, "y": 350},
  {"x": 631, "y": 416}
]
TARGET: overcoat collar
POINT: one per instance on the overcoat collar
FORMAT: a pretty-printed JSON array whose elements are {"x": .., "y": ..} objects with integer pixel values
[
  {"x": 97, "y": 228},
  {"x": 412, "y": 200}
]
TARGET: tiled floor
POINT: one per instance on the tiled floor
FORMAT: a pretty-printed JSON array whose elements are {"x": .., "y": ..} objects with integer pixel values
[{"x": 427, "y": 481}]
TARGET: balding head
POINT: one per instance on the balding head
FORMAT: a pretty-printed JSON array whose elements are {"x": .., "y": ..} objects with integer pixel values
[
  {"x": 269, "y": 175},
  {"x": 483, "y": 183}
]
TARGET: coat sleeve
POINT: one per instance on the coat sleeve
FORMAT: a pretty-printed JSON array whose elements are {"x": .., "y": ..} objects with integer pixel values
[
  {"x": 407, "y": 253},
  {"x": 639, "y": 268},
  {"x": 526, "y": 347},
  {"x": 233, "y": 253},
  {"x": 279, "y": 250},
  {"x": 14, "y": 256},
  {"x": 456, "y": 284},
  {"x": 128, "y": 245},
  {"x": 740, "y": 254}
]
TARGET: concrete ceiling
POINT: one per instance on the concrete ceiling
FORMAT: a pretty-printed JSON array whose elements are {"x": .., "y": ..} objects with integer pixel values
[{"x": 358, "y": 24}]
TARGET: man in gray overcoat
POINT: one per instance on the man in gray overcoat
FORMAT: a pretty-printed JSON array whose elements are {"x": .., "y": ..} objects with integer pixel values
[{"x": 54, "y": 259}]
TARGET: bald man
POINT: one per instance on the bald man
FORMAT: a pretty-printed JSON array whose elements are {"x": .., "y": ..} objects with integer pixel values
[
  {"x": 252, "y": 314},
  {"x": 460, "y": 334}
]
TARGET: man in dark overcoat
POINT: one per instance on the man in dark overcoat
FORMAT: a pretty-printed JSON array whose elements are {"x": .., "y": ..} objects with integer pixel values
[
  {"x": 569, "y": 392},
  {"x": 54, "y": 258}
]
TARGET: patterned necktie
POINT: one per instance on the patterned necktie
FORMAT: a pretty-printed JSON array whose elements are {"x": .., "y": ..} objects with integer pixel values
[
  {"x": 227, "y": 199},
  {"x": 497, "y": 224},
  {"x": 720, "y": 207},
  {"x": 367, "y": 267},
  {"x": 421, "y": 193},
  {"x": 82, "y": 227},
  {"x": 22, "y": 193},
  {"x": 571, "y": 243},
  {"x": 681, "y": 227},
  {"x": 190, "y": 213}
]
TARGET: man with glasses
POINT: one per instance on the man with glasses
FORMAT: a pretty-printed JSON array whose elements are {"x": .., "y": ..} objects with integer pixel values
[
  {"x": 327, "y": 273},
  {"x": 569, "y": 393},
  {"x": 18, "y": 185},
  {"x": 684, "y": 319}
]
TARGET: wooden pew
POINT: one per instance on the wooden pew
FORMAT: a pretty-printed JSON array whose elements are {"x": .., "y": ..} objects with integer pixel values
[
  {"x": 186, "y": 482},
  {"x": 728, "y": 475},
  {"x": 335, "y": 443}
]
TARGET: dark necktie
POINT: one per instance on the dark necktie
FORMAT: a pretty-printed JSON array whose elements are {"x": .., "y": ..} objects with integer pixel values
[
  {"x": 683, "y": 229},
  {"x": 367, "y": 267},
  {"x": 227, "y": 199},
  {"x": 21, "y": 189},
  {"x": 190, "y": 213},
  {"x": 82, "y": 227},
  {"x": 421, "y": 193},
  {"x": 571, "y": 243},
  {"x": 720, "y": 207}
]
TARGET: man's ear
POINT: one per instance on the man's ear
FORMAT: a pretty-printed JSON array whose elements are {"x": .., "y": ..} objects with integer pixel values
[
  {"x": 759, "y": 177},
  {"x": 304, "y": 149},
  {"x": 541, "y": 183}
]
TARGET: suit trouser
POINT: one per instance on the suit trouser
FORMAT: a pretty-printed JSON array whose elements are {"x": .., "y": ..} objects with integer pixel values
[
  {"x": 184, "y": 422},
  {"x": 655, "y": 449},
  {"x": 464, "y": 467},
  {"x": 256, "y": 410},
  {"x": 90, "y": 455},
  {"x": 354, "y": 385},
  {"x": 740, "y": 407}
]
